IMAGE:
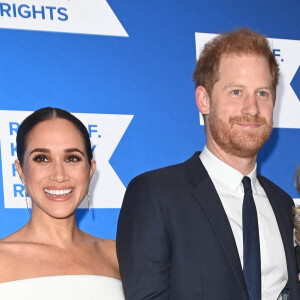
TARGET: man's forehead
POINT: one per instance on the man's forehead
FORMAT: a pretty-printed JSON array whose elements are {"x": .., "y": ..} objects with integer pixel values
[
  {"x": 240, "y": 62},
  {"x": 236, "y": 55},
  {"x": 235, "y": 70}
]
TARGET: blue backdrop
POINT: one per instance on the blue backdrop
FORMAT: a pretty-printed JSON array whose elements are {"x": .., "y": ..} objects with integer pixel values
[{"x": 147, "y": 74}]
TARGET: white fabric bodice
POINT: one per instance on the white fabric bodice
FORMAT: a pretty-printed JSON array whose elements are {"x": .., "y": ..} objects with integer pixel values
[{"x": 63, "y": 287}]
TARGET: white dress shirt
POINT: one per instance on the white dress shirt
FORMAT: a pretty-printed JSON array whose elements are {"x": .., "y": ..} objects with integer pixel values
[{"x": 228, "y": 183}]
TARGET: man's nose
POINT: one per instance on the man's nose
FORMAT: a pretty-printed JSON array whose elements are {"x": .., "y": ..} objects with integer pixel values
[{"x": 250, "y": 106}]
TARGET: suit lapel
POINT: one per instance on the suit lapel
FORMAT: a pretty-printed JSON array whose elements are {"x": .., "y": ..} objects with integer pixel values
[{"x": 208, "y": 198}]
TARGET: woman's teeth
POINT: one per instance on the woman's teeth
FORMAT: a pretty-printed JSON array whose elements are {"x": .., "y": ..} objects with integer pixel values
[{"x": 58, "y": 192}]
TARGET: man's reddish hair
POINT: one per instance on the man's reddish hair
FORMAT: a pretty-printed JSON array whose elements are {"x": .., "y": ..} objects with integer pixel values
[{"x": 240, "y": 42}]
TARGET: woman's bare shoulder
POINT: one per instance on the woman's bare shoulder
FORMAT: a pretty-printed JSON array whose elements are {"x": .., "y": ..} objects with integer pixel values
[
  {"x": 10, "y": 242},
  {"x": 11, "y": 250},
  {"x": 106, "y": 249},
  {"x": 18, "y": 236},
  {"x": 12, "y": 246},
  {"x": 101, "y": 241},
  {"x": 106, "y": 245},
  {"x": 109, "y": 245}
]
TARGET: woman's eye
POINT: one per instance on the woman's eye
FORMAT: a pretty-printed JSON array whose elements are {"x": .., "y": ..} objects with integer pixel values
[
  {"x": 41, "y": 158},
  {"x": 73, "y": 158},
  {"x": 236, "y": 92}
]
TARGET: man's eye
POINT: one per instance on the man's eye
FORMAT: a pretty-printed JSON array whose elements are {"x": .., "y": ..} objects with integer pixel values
[
  {"x": 236, "y": 92},
  {"x": 73, "y": 158},
  {"x": 41, "y": 158},
  {"x": 262, "y": 93}
]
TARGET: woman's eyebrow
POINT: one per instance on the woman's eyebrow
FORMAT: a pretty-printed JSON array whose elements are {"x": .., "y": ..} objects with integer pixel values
[
  {"x": 45, "y": 150},
  {"x": 69, "y": 150}
]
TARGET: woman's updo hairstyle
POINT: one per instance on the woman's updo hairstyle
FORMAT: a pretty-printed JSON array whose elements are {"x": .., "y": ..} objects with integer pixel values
[{"x": 44, "y": 114}]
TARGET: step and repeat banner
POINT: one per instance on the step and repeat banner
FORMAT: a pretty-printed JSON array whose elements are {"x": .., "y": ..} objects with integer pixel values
[{"x": 125, "y": 69}]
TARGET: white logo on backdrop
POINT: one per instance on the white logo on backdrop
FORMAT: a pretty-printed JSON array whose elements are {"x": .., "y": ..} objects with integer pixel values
[
  {"x": 287, "y": 107},
  {"x": 105, "y": 130},
  {"x": 73, "y": 16}
]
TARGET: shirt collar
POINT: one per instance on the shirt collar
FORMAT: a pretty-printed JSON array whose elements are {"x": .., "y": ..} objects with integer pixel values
[{"x": 225, "y": 175}]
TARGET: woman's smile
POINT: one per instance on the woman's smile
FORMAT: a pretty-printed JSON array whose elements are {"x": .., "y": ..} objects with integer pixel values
[{"x": 58, "y": 194}]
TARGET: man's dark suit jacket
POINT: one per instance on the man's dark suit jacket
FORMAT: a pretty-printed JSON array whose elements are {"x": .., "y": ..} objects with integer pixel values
[
  {"x": 297, "y": 252},
  {"x": 174, "y": 240}
]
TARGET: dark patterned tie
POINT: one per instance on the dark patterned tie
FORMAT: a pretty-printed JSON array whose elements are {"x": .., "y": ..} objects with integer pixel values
[{"x": 252, "y": 267}]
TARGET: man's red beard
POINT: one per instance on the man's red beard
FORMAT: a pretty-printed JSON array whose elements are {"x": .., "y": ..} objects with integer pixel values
[{"x": 240, "y": 142}]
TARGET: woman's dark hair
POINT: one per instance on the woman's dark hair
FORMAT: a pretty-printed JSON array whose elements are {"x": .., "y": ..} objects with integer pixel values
[{"x": 44, "y": 114}]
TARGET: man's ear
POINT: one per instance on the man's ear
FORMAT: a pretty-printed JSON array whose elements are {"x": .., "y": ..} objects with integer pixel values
[
  {"x": 20, "y": 170},
  {"x": 202, "y": 100}
]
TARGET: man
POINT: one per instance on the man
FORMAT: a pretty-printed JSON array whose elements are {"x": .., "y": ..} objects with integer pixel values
[{"x": 211, "y": 227}]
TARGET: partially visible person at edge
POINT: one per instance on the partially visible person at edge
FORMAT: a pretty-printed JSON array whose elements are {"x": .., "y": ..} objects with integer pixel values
[
  {"x": 50, "y": 257},
  {"x": 297, "y": 220},
  {"x": 211, "y": 227}
]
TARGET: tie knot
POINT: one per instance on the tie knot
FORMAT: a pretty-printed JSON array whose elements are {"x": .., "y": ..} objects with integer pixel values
[{"x": 247, "y": 183}]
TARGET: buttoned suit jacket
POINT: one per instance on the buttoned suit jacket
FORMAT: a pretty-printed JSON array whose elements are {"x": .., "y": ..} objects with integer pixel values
[{"x": 174, "y": 240}]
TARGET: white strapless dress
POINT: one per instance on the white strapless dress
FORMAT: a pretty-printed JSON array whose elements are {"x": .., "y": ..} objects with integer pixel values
[{"x": 63, "y": 287}]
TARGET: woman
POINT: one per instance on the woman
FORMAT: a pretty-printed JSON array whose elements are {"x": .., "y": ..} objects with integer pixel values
[
  {"x": 55, "y": 165},
  {"x": 297, "y": 219}
]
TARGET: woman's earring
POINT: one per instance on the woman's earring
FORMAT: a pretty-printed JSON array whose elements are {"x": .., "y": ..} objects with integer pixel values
[
  {"x": 89, "y": 200},
  {"x": 26, "y": 201}
]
